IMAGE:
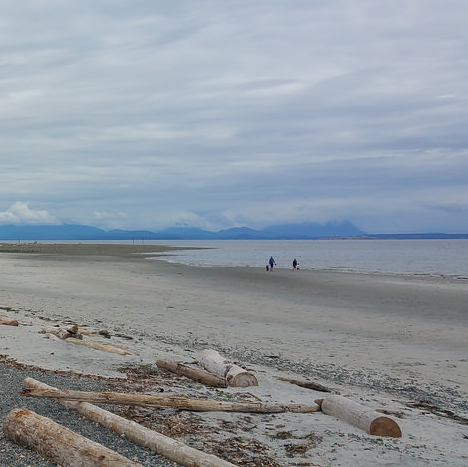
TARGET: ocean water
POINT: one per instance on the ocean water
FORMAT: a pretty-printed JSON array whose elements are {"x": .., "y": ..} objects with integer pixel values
[{"x": 424, "y": 257}]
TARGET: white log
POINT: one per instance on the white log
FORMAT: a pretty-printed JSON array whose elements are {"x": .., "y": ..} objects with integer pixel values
[
  {"x": 360, "y": 416},
  {"x": 235, "y": 375},
  {"x": 196, "y": 374},
  {"x": 163, "y": 445},
  {"x": 101, "y": 346},
  {"x": 59, "y": 444},
  {"x": 58, "y": 332},
  {"x": 177, "y": 402}
]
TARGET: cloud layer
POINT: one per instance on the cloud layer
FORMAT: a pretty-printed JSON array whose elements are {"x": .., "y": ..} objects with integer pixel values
[{"x": 147, "y": 114}]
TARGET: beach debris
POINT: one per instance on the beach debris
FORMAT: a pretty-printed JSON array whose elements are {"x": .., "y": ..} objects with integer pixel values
[
  {"x": 177, "y": 402},
  {"x": 90, "y": 332},
  {"x": 195, "y": 374},
  {"x": 438, "y": 411},
  {"x": 62, "y": 333},
  {"x": 235, "y": 375},
  {"x": 57, "y": 443},
  {"x": 4, "y": 320},
  {"x": 163, "y": 445},
  {"x": 304, "y": 384},
  {"x": 360, "y": 416},
  {"x": 101, "y": 346}
]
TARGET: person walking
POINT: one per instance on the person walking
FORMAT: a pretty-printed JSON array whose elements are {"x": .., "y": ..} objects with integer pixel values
[
  {"x": 294, "y": 263},
  {"x": 271, "y": 262}
]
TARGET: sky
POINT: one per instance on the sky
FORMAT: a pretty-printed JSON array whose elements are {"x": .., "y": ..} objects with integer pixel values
[{"x": 214, "y": 114}]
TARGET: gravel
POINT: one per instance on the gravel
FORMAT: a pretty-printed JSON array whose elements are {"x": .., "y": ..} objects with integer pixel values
[{"x": 13, "y": 455}]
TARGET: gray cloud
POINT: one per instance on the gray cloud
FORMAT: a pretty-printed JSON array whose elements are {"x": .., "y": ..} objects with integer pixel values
[{"x": 145, "y": 114}]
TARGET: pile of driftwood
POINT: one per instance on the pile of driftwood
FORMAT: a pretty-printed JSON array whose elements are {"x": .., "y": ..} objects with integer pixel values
[
  {"x": 53, "y": 441},
  {"x": 74, "y": 335},
  {"x": 219, "y": 371}
]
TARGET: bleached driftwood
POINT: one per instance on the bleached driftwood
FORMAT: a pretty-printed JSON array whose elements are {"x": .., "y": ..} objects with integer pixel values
[
  {"x": 305, "y": 384},
  {"x": 163, "y": 445},
  {"x": 101, "y": 346},
  {"x": 360, "y": 416},
  {"x": 235, "y": 375},
  {"x": 61, "y": 333},
  {"x": 57, "y": 443},
  {"x": 91, "y": 332},
  {"x": 4, "y": 320},
  {"x": 178, "y": 402},
  {"x": 196, "y": 374}
]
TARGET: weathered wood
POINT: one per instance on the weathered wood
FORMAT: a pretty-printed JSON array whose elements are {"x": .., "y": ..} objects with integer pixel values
[
  {"x": 58, "y": 332},
  {"x": 101, "y": 346},
  {"x": 61, "y": 333},
  {"x": 4, "y": 320},
  {"x": 305, "y": 384},
  {"x": 91, "y": 332},
  {"x": 73, "y": 329},
  {"x": 196, "y": 374},
  {"x": 235, "y": 375},
  {"x": 177, "y": 402},
  {"x": 59, "y": 444},
  {"x": 87, "y": 332},
  {"x": 360, "y": 416},
  {"x": 163, "y": 445}
]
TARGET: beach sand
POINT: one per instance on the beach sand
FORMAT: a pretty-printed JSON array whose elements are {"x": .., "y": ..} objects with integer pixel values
[{"x": 382, "y": 340}]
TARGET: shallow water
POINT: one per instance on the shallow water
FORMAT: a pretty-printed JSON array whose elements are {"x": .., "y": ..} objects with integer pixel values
[{"x": 431, "y": 257}]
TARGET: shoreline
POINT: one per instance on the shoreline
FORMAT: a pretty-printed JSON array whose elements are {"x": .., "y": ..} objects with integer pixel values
[{"x": 382, "y": 338}]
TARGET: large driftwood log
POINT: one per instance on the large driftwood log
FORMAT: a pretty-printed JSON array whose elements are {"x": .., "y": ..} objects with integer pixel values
[
  {"x": 235, "y": 375},
  {"x": 177, "y": 402},
  {"x": 362, "y": 417},
  {"x": 4, "y": 320},
  {"x": 196, "y": 374},
  {"x": 305, "y": 384},
  {"x": 101, "y": 346},
  {"x": 171, "y": 449},
  {"x": 57, "y": 443}
]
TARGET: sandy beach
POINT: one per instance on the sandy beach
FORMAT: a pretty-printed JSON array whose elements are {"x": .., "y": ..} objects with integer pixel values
[{"x": 382, "y": 340}]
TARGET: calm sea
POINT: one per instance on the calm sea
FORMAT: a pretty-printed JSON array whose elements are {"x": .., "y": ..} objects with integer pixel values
[{"x": 431, "y": 257}]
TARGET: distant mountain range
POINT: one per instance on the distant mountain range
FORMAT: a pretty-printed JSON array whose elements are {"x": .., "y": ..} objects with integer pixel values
[
  {"x": 84, "y": 232},
  {"x": 306, "y": 230}
]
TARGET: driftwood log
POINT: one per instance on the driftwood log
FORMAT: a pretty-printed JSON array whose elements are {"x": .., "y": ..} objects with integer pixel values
[
  {"x": 305, "y": 384},
  {"x": 63, "y": 333},
  {"x": 195, "y": 374},
  {"x": 235, "y": 375},
  {"x": 90, "y": 332},
  {"x": 4, "y": 320},
  {"x": 360, "y": 416},
  {"x": 101, "y": 346},
  {"x": 163, "y": 445},
  {"x": 177, "y": 402},
  {"x": 57, "y": 443}
]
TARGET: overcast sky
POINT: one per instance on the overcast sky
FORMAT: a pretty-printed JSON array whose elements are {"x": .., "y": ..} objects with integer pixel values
[{"x": 216, "y": 113}]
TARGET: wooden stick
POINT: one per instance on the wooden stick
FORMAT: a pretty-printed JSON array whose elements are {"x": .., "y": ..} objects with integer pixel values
[
  {"x": 163, "y": 445},
  {"x": 57, "y": 443},
  {"x": 8, "y": 321},
  {"x": 196, "y": 374},
  {"x": 235, "y": 375},
  {"x": 304, "y": 384},
  {"x": 177, "y": 402},
  {"x": 362, "y": 417},
  {"x": 100, "y": 346}
]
